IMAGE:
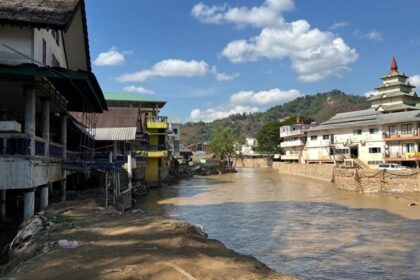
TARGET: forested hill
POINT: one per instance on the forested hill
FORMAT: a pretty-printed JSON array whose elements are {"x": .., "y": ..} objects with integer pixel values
[{"x": 318, "y": 107}]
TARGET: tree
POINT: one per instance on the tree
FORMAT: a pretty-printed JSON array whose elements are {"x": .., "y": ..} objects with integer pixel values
[
  {"x": 268, "y": 138},
  {"x": 222, "y": 144}
]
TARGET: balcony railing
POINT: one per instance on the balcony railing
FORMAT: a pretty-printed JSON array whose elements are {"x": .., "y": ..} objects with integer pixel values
[
  {"x": 293, "y": 143},
  {"x": 157, "y": 119},
  {"x": 154, "y": 147}
]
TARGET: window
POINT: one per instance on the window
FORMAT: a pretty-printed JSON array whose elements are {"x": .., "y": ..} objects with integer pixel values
[
  {"x": 374, "y": 150},
  {"x": 56, "y": 35},
  {"x": 406, "y": 128},
  {"x": 357, "y": 132},
  {"x": 408, "y": 147},
  {"x": 392, "y": 129},
  {"x": 44, "y": 52},
  {"x": 376, "y": 162},
  {"x": 175, "y": 130},
  {"x": 326, "y": 137},
  {"x": 55, "y": 62},
  {"x": 314, "y": 137},
  {"x": 373, "y": 130}
]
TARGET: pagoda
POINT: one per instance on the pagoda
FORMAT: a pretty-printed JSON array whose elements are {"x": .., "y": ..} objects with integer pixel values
[{"x": 396, "y": 94}]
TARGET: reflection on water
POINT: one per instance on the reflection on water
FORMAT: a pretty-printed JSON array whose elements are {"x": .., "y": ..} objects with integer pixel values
[{"x": 300, "y": 227}]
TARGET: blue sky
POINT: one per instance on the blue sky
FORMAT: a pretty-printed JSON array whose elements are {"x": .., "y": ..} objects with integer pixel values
[{"x": 209, "y": 59}]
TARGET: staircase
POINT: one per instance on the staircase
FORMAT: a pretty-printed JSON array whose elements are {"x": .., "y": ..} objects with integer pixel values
[{"x": 361, "y": 164}]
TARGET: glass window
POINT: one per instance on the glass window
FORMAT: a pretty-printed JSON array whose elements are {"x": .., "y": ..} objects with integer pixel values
[
  {"x": 373, "y": 130},
  {"x": 406, "y": 128},
  {"x": 357, "y": 132},
  {"x": 374, "y": 150},
  {"x": 408, "y": 147},
  {"x": 326, "y": 137},
  {"x": 314, "y": 137},
  {"x": 392, "y": 129}
]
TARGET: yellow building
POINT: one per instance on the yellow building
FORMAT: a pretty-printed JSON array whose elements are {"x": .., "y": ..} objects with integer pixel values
[{"x": 155, "y": 142}]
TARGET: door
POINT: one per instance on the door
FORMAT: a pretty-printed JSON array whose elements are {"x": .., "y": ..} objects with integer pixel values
[{"x": 354, "y": 152}]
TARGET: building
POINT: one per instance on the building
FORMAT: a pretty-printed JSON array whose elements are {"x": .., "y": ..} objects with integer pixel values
[
  {"x": 248, "y": 148},
  {"x": 156, "y": 135},
  {"x": 174, "y": 140},
  {"x": 388, "y": 131},
  {"x": 294, "y": 140},
  {"x": 45, "y": 72},
  {"x": 395, "y": 94}
]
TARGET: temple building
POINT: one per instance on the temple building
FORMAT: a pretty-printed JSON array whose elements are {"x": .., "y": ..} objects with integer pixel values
[{"x": 396, "y": 94}]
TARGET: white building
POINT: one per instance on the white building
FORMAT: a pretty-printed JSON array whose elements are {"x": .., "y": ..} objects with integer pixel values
[
  {"x": 294, "y": 140},
  {"x": 389, "y": 131},
  {"x": 45, "y": 72},
  {"x": 174, "y": 137},
  {"x": 248, "y": 148}
]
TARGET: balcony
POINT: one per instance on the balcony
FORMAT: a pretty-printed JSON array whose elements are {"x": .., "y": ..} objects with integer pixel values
[
  {"x": 318, "y": 143},
  {"x": 413, "y": 156},
  {"x": 297, "y": 132},
  {"x": 157, "y": 122},
  {"x": 155, "y": 151},
  {"x": 415, "y": 135},
  {"x": 294, "y": 143}
]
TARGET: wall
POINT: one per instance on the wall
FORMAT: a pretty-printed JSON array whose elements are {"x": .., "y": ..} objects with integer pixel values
[
  {"x": 18, "y": 38},
  {"x": 316, "y": 171},
  {"x": 52, "y": 47},
  {"x": 253, "y": 163},
  {"x": 377, "y": 181}
]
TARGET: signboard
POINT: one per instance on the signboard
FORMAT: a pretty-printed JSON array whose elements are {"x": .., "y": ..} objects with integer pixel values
[{"x": 413, "y": 156}]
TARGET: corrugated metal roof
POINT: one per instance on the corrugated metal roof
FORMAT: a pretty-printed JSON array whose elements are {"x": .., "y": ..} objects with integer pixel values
[
  {"x": 367, "y": 117},
  {"x": 115, "y": 134}
]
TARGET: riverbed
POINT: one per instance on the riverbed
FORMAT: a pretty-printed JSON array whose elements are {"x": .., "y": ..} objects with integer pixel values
[{"x": 301, "y": 227}]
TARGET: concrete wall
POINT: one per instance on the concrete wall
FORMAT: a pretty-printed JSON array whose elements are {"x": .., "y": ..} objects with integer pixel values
[
  {"x": 253, "y": 163},
  {"x": 377, "y": 181},
  {"x": 316, "y": 171}
]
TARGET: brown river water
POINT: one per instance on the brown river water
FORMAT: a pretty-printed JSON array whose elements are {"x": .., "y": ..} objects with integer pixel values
[{"x": 301, "y": 227}]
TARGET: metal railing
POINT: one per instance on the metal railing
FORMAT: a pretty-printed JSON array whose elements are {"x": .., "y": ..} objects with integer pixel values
[
  {"x": 56, "y": 150},
  {"x": 40, "y": 147}
]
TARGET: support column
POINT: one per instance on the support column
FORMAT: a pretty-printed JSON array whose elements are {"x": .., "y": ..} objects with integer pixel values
[
  {"x": 43, "y": 201},
  {"x": 28, "y": 204},
  {"x": 64, "y": 135},
  {"x": 63, "y": 190},
  {"x": 46, "y": 124},
  {"x": 130, "y": 170},
  {"x": 3, "y": 205},
  {"x": 30, "y": 102},
  {"x": 114, "y": 150}
]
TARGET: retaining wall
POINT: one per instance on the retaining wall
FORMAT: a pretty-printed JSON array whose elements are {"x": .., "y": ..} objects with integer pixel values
[
  {"x": 377, "y": 180},
  {"x": 254, "y": 163},
  {"x": 317, "y": 171}
]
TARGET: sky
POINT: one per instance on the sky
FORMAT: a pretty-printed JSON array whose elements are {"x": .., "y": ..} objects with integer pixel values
[{"x": 209, "y": 59}]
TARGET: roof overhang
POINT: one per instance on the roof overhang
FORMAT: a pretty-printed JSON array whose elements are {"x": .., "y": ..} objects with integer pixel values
[{"x": 78, "y": 87}]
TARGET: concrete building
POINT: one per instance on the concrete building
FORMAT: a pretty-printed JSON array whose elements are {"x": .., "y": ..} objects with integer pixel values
[
  {"x": 294, "y": 140},
  {"x": 248, "y": 148},
  {"x": 156, "y": 135},
  {"x": 45, "y": 72},
  {"x": 174, "y": 130},
  {"x": 388, "y": 131}
]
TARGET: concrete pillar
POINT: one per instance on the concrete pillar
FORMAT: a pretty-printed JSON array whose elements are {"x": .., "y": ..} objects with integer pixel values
[
  {"x": 46, "y": 124},
  {"x": 28, "y": 204},
  {"x": 30, "y": 102},
  {"x": 130, "y": 170},
  {"x": 63, "y": 190},
  {"x": 3, "y": 205},
  {"x": 64, "y": 135},
  {"x": 43, "y": 201}
]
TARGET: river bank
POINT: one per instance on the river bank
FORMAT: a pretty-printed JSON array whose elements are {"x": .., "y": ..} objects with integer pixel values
[{"x": 133, "y": 245}]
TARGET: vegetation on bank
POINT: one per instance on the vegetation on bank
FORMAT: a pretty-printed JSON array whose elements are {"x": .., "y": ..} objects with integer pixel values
[{"x": 319, "y": 107}]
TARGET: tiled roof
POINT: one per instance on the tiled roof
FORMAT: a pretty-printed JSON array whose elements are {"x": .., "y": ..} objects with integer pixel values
[
  {"x": 55, "y": 14},
  {"x": 114, "y": 117}
]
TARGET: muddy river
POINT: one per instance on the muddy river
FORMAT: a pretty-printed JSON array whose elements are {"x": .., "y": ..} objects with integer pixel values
[{"x": 301, "y": 227}]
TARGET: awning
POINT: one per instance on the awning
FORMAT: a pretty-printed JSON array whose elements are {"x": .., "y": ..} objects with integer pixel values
[
  {"x": 115, "y": 134},
  {"x": 78, "y": 87}
]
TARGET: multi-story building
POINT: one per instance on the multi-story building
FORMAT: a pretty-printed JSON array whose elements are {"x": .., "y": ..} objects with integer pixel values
[
  {"x": 174, "y": 137},
  {"x": 388, "y": 131},
  {"x": 45, "y": 72},
  {"x": 156, "y": 133},
  {"x": 294, "y": 140}
]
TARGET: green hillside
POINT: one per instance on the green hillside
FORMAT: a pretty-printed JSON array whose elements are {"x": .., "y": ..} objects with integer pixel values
[{"x": 318, "y": 107}]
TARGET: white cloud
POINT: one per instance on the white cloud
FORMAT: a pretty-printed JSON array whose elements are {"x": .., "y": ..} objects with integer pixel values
[
  {"x": 268, "y": 14},
  {"x": 110, "y": 58},
  {"x": 168, "y": 68},
  {"x": 315, "y": 54},
  {"x": 244, "y": 102},
  {"x": 415, "y": 80},
  {"x": 138, "y": 90},
  {"x": 374, "y": 35},
  {"x": 221, "y": 76},
  {"x": 339, "y": 24}
]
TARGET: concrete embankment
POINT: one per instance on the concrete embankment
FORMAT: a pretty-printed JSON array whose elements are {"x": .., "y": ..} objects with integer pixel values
[
  {"x": 360, "y": 180},
  {"x": 81, "y": 240}
]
